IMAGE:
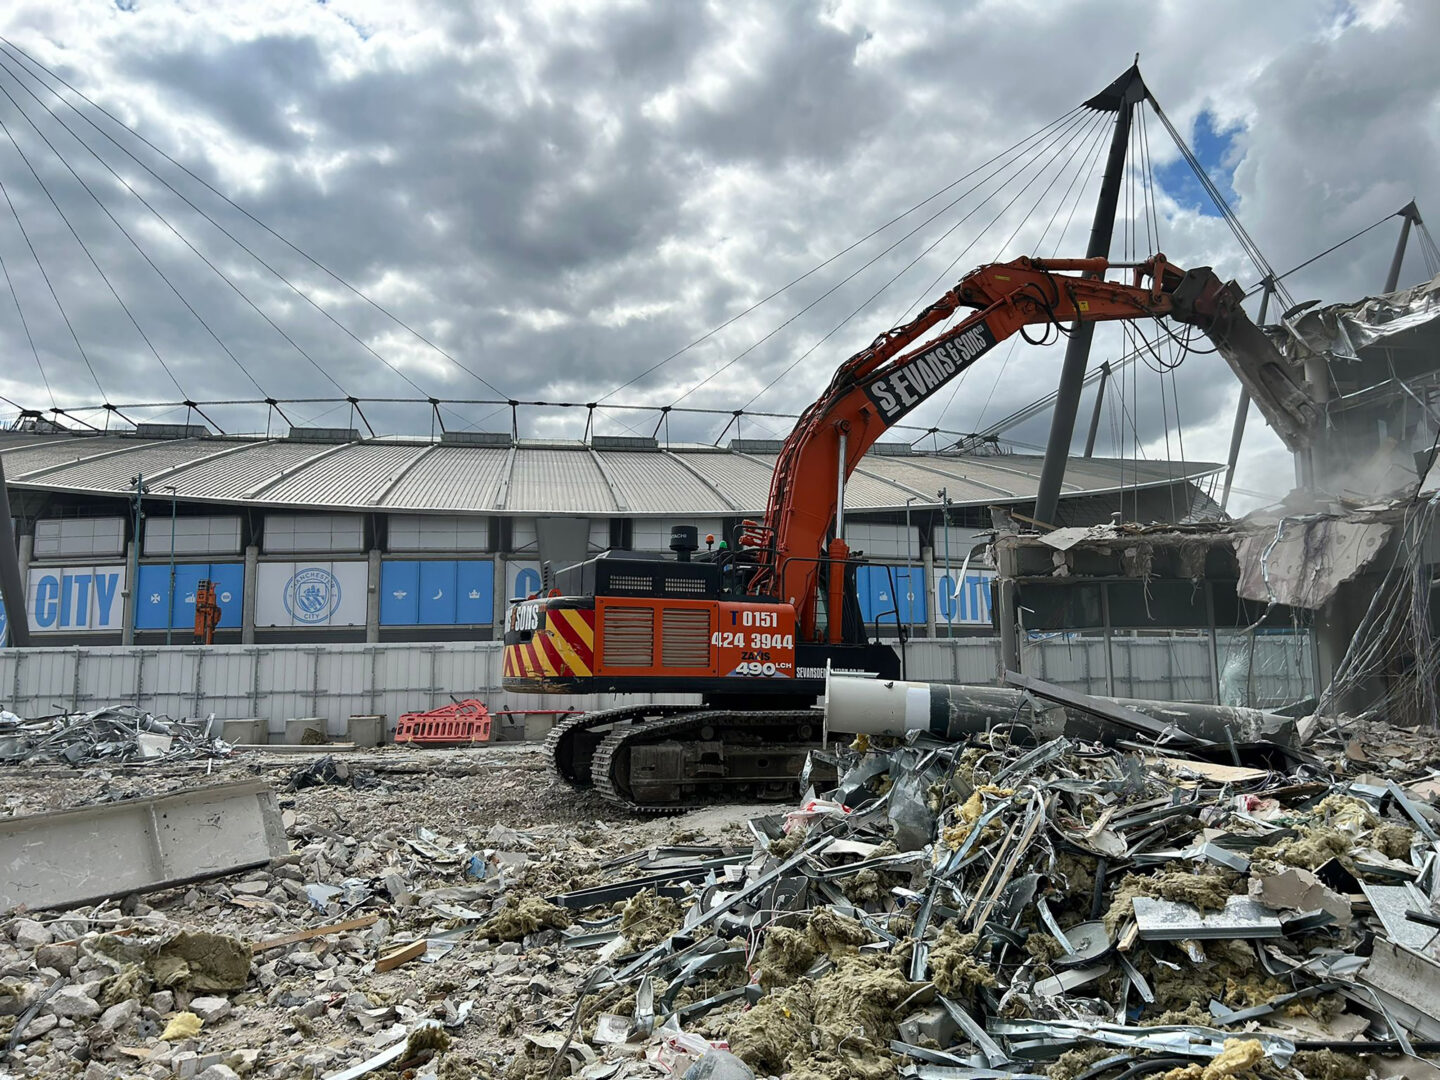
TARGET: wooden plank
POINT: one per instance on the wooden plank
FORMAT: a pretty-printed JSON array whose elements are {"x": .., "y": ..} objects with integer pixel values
[
  {"x": 1224, "y": 774},
  {"x": 315, "y": 931},
  {"x": 402, "y": 955}
]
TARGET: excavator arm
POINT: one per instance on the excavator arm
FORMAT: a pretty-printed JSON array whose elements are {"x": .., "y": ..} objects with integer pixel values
[{"x": 878, "y": 386}]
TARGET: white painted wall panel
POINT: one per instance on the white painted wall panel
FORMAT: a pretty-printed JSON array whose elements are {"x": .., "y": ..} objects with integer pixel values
[
  {"x": 438, "y": 532},
  {"x": 210, "y": 535},
  {"x": 287, "y": 534},
  {"x": 77, "y": 538}
]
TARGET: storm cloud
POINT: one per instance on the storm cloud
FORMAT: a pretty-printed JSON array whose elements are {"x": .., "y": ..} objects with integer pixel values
[{"x": 562, "y": 195}]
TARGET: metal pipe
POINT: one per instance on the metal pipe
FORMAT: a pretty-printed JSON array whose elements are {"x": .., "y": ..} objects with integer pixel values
[
  {"x": 1095, "y": 416},
  {"x": 840, "y": 492},
  {"x": 894, "y": 708},
  {"x": 1120, "y": 97},
  {"x": 170, "y": 611},
  {"x": 11, "y": 585},
  {"x": 1242, "y": 407}
]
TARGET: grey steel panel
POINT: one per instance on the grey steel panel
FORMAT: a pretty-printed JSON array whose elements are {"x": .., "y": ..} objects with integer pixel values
[
  {"x": 864, "y": 492},
  {"x": 231, "y": 476},
  {"x": 914, "y": 474},
  {"x": 656, "y": 483},
  {"x": 745, "y": 478},
  {"x": 558, "y": 481},
  {"x": 348, "y": 477},
  {"x": 451, "y": 478},
  {"x": 64, "y": 450},
  {"x": 113, "y": 472}
]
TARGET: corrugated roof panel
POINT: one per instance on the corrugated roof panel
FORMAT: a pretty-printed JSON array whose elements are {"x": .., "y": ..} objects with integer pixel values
[
  {"x": 745, "y": 480},
  {"x": 351, "y": 476},
  {"x": 657, "y": 483},
  {"x": 452, "y": 478},
  {"x": 558, "y": 481},
  {"x": 230, "y": 476},
  {"x": 546, "y": 479},
  {"x": 113, "y": 473},
  {"x": 911, "y": 473},
  {"x": 54, "y": 450}
]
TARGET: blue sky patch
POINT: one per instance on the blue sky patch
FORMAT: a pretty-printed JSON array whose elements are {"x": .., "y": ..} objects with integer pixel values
[{"x": 1217, "y": 153}]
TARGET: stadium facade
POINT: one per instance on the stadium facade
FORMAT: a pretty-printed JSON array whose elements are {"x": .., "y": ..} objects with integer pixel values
[{"x": 322, "y": 536}]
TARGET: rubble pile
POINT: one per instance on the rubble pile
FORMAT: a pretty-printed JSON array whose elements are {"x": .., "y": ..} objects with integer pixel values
[
  {"x": 116, "y": 734},
  {"x": 986, "y": 909}
]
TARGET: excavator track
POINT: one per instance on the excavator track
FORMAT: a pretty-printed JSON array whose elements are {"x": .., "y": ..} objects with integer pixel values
[
  {"x": 571, "y": 743},
  {"x": 703, "y": 757}
]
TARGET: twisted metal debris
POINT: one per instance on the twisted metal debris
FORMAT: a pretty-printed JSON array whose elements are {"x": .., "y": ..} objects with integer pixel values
[
  {"x": 116, "y": 734},
  {"x": 996, "y": 908}
]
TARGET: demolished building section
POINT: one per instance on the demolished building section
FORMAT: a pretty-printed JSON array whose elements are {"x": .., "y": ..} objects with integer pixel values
[{"x": 998, "y": 905}]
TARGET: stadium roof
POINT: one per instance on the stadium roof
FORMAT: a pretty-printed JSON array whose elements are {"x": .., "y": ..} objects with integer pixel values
[{"x": 615, "y": 477}]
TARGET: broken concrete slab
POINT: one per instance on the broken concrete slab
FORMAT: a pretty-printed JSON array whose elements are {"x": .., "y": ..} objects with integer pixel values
[{"x": 90, "y": 853}]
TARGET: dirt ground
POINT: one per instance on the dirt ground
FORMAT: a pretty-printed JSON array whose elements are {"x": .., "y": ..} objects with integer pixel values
[{"x": 316, "y": 1007}]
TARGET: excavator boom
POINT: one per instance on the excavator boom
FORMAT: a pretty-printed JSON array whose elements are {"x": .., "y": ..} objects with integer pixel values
[{"x": 880, "y": 385}]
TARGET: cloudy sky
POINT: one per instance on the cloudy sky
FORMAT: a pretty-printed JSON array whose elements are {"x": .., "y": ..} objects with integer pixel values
[{"x": 560, "y": 196}]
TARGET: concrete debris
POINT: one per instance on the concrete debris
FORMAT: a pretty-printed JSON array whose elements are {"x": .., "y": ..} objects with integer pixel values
[{"x": 978, "y": 908}]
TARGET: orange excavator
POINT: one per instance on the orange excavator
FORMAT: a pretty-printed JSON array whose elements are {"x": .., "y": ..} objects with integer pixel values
[{"x": 754, "y": 629}]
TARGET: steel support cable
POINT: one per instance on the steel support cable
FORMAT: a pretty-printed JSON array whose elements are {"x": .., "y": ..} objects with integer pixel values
[
  {"x": 845, "y": 251},
  {"x": 75, "y": 233},
  {"x": 187, "y": 304},
  {"x": 169, "y": 225},
  {"x": 25, "y": 324},
  {"x": 1428, "y": 250},
  {"x": 203, "y": 258},
  {"x": 929, "y": 291},
  {"x": 1157, "y": 244},
  {"x": 1259, "y": 285},
  {"x": 445, "y": 405},
  {"x": 1096, "y": 134},
  {"x": 30, "y": 60},
  {"x": 51, "y": 286},
  {"x": 1074, "y": 206},
  {"x": 1246, "y": 242},
  {"x": 1079, "y": 143},
  {"x": 856, "y": 273},
  {"x": 1137, "y": 203},
  {"x": 1071, "y": 134}
]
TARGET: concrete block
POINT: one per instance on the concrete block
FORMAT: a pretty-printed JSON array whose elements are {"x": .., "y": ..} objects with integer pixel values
[
  {"x": 366, "y": 731},
  {"x": 251, "y": 732},
  {"x": 295, "y": 730},
  {"x": 72, "y": 857}
]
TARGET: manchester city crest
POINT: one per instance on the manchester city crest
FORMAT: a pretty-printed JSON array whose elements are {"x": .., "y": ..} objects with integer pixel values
[{"x": 312, "y": 595}]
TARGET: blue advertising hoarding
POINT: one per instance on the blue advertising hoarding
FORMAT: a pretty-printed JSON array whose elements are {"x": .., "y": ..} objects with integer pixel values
[
  {"x": 437, "y": 592},
  {"x": 154, "y": 591},
  {"x": 879, "y": 605}
]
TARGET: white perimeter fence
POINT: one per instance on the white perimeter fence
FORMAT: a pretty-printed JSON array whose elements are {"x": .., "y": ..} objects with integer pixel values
[{"x": 276, "y": 682}]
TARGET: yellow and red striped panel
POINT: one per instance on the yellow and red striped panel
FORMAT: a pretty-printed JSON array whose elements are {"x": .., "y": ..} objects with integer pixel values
[{"x": 564, "y": 646}]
